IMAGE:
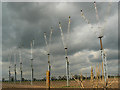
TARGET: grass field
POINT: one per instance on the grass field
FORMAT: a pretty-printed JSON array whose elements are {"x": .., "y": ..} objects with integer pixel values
[{"x": 61, "y": 84}]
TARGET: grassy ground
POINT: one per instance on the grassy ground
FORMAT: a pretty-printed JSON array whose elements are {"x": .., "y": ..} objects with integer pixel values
[{"x": 60, "y": 84}]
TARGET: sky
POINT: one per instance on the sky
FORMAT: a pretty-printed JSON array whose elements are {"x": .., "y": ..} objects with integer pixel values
[{"x": 25, "y": 21}]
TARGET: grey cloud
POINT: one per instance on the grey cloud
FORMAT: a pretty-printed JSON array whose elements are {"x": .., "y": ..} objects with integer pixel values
[{"x": 24, "y": 21}]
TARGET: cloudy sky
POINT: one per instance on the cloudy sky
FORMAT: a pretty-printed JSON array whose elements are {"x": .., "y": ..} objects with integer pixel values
[{"x": 24, "y": 21}]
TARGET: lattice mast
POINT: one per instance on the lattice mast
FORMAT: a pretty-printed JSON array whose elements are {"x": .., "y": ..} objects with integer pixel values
[
  {"x": 92, "y": 76},
  {"x": 48, "y": 53},
  {"x": 9, "y": 58},
  {"x": 102, "y": 50},
  {"x": 66, "y": 50},
  {"x": 15, "y": 73},
  {"x": 48, "y": 47},
  {"x": 21, "y": 76},
  {"x": 100, "y": 36},
  {"x": 32, "y": 70}
]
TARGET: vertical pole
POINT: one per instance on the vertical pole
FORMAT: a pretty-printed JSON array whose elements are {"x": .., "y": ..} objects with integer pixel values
[
  {"x": 21, "y": 71},
  {"x": 99, "y": 71},
  {"x": 15, "y": 68},
  {"x": 31, "y": 71},
  {"x": 104, "y": 62},
  {"x": 15, "y": 73},
  {"x": 48, "y": 62},
  {"x": 92, "y": 76},
  {"x": 67, "y": 71},
  {"x": 105, "y": 69},
  {"x": 48, "y": 80},
  {"x": 20, "y": 65},
  {"x": 49, "y": 70},
  {"x": 97, "y": 76},
  {"x": 21, "y": 75},
  {"x": 32, "y": 44},
  {"x": 67, "y": 67},
  {"x": 9, "y": 74}
]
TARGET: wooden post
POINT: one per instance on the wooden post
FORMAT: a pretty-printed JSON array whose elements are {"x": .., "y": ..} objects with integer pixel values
[
  {"x": 97, "y": 74},
  {"x": 92, "y": 77},
  {"x": 48, "y": 80},
  {"x": 86, "y": 76},
  {"x": 99, "y": 71}
]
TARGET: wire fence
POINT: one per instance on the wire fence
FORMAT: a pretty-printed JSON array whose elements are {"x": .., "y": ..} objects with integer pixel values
[{"x": 59, "y": 81}]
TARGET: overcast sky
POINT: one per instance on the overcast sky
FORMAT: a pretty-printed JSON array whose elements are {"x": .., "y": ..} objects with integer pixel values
[{"x": 24, "y": 21}]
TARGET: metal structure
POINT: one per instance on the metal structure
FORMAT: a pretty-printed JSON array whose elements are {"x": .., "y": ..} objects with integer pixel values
[
  {"x": 67, "y": 67},
  {"x": 92, "y": 77},
  {"x": 21, "y": 76},
  {"x": 48, "y": 73},
  {"x": 32, "y": 70},
  {"x": 103, "y": 55},
  {"x": 9, "y": 74},
  {"x": 9, "y": 58},
  {"x": 15, "y": 78},
  {"x": 65, "y": 47},
  {"x": 97, "y": 72},
  {"x": 100, "y": 36}
]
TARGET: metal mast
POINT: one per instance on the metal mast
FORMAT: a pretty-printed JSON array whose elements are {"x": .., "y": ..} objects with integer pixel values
[
  {"x": 20, "y": 66},
  {"x": 9, "y": 72},
  {"x": 49, "y": 66},
  {"x": 48, "y": 53},
  {"x": 65, "y": 47},
  {"x": 15, "y": 68},
  {"x": 67, "y": 67},
  {"x": 32, "y": 75},
  {"x": 102, "y": 50},
  {"x": 9, "y": 58},
  {"x": 103, "y": 55}
]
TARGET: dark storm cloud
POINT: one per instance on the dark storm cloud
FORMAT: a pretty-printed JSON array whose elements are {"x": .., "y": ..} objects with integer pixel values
[{"x": 23, "y": 21}]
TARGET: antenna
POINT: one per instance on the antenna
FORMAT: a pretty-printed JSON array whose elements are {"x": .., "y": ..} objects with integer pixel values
[
  {"x": 32, "y": 45},
  {"x": 83, "y": 16},
  {"x": 87, "y": 21},
  {"x": 68, "y": 32},
  {"x": 97, "y": 17},
  {"x": 105, "y": 67},
  {"x": 48, "y": 53},
  {"x": 65, "y": 47},
  {"x": 99, "y": 70},
  {"x": 46, "y": 42},
  {"x": 100, "y": 37},
  {"x": 97, "y": 76},
  {"x": 15, "y": 67},
  {"x": 9, "y": 58},
  {"x": 62, "y": 35},
  {"x": 51, "y": 31},
  {"x": 20, "y": 65}
]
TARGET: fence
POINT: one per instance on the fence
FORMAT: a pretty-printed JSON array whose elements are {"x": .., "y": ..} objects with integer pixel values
[{"x": 59, "y": 81}]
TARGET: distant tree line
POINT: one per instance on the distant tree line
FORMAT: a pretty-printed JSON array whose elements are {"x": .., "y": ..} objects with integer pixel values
[{"x": 57, "y": 78}]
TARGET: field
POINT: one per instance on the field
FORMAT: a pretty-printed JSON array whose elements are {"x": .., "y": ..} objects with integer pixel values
[{"x": 61, "y": 84}]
